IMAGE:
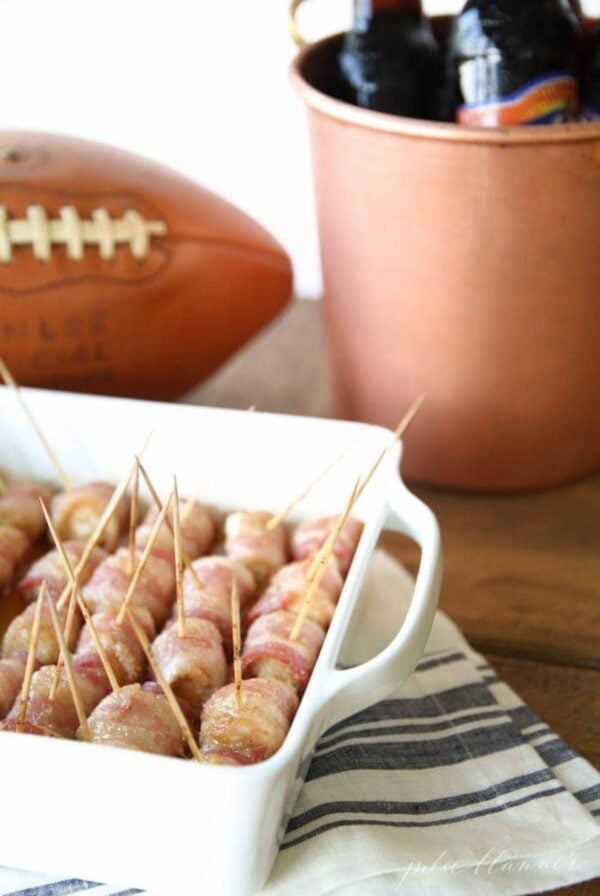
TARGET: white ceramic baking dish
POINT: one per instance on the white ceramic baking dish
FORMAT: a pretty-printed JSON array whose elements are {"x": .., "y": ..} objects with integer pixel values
[{"x": 168, "y": 825}]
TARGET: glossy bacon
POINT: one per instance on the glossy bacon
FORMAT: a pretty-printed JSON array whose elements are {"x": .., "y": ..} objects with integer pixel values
[
  {"x": 195, "y": 664},
  {"x": 12, "y": 672},
  {"x": 20, "y": 507},
  {"x": 14, "y": 545},
  {"x": 288, "y": 588},
  {"x": 268, "y": 652},
  {"x": 309, "y": 537},
  {"x": 155, "y": 589},
  {"x": 18, "y": 635},
  {"x": 76, "y": 513},
  {"x": 59, "y": 715},
  {"x": 248, "y": 540},
  {"x": 120, "y": 643},
  {"x": 254, "y": 730},
  {"x": 50, "y": 569},
  {"x": 198, "y": 529},
  {"x": 138, "y": 717},
  {"x": 213, "y": 601}
]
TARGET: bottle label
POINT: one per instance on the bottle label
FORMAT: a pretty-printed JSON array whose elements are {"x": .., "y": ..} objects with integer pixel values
[{"x": 549, "y": 99}]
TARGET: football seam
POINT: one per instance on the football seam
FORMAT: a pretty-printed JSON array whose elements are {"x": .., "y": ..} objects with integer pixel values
[
  {"x": 148, "y": 206},
  {"x": 100, "y": 278}
]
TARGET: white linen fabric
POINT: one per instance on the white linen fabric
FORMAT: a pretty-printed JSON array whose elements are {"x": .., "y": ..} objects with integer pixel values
[{"x": 453, "y": 785}]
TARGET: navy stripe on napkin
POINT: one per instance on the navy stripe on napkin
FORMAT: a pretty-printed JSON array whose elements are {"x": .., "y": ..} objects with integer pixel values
[
  {"x": 58, "y": 888},
  {"x": 419, "y": 754},
  {"x": 346, "y": 822}
]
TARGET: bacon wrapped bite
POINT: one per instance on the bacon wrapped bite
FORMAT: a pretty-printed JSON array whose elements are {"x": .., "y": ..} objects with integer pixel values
[
  {"x": 123, "y": 650},
  {"x": 251, "y": 730},
  {"x": 18, "y": 635},
  {"x": 59, "y": 715},
  {"x": 288, "y": 588},
  {"x": 14, "y": 545},
  {"x": 12, "y": 724},
  {"x": 50, "y": 569},
  {"x": 20, "y": 508},
  {"x": 12, "y": 672},
  {"x": 213, "y": 601},
  {"x": 76, "y": 513},
  {"x": 269, "y": 653},
  {"x": 198, "y": 529},
  {"x": 138, "y": 717},
  {"x": 155, "y": 590},
  {"x": 249, "y": 540},
  {"x": 308, "y": 538},
  {"x": 193, "y": 664}
]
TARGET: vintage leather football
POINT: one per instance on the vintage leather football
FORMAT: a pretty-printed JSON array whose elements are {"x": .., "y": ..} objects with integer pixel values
[{"x": 120, "y": 276}]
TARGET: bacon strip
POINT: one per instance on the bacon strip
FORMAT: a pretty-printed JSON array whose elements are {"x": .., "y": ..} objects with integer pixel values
[
  {"x": 138, "y": 717},
  {"x": 77, "y": 512},
  {"x": 268, "y": 652},
  {"x": 20, "y": 508},
  {"x": 288, "y": 588},
  {"x": 195, "y": 664},
  {"x": 59, "y": 715},
  {"x": 260, "y": 549},
  {"x": 213, "y": 601},
  {"x": 198, "y": 529},
  {"x": 252, "y": 730},
  {"x": 14, "y": 545},
  {"x": 50, "y": 569}
]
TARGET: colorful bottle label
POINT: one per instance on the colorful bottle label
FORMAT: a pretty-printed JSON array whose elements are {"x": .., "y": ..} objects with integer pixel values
[{"x": 549, "y": 99}]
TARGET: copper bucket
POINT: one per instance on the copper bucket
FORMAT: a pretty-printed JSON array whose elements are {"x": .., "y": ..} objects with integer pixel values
[{"x": 462, "y": 262}]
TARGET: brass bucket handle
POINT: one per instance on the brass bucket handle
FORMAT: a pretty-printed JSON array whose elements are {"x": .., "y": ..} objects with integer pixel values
[{"x": 293, "y": 25}]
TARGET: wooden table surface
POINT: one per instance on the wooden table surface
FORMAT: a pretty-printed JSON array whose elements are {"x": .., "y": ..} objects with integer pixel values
[{"x": 521, "y": 573}]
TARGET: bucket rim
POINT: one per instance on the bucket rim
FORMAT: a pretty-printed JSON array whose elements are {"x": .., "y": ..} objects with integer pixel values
[{"x": 397, "y": 125}]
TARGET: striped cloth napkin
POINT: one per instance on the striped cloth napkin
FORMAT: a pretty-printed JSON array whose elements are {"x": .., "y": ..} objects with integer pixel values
[{"x": 451, "y": 786}]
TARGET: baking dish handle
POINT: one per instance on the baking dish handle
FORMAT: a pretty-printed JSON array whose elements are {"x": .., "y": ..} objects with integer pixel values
[{"x": 351, "y": 690}]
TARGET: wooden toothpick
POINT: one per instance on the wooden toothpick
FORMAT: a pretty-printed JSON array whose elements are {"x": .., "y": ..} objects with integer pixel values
[
  {"x": 178, "y": 560},
  {"x": 97, "y": 533},
  {"x": 133, "y": 515},
  {"x": 398, "y": 433},
  {"x": 283, "y": 514},
  {"x": 319, "y": 564},
  {"x": 10, "y": 381},
  {"x": 158, "y": 504},
  {"x": 143, "y": 559},
  {"x": 67, "y": 633},
  {"x": 83, "y": 607},
  {"x": 30, "y": 663},
  {"x": 236, "y": 639},
  {"x": 329, "y": 544},
  {"x": 79, "y": 708},
  {"x": 166, "y": 687}
]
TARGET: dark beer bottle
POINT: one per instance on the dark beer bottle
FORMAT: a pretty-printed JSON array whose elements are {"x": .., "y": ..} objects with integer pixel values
[
  {"x": 512, "y": 62},
  {"x": 390, "y": 60},
  {"x": 591, "y": 79}
]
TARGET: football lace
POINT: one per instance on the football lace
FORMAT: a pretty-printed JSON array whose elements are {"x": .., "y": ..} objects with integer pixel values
[{"x": 42, "y": 233}]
